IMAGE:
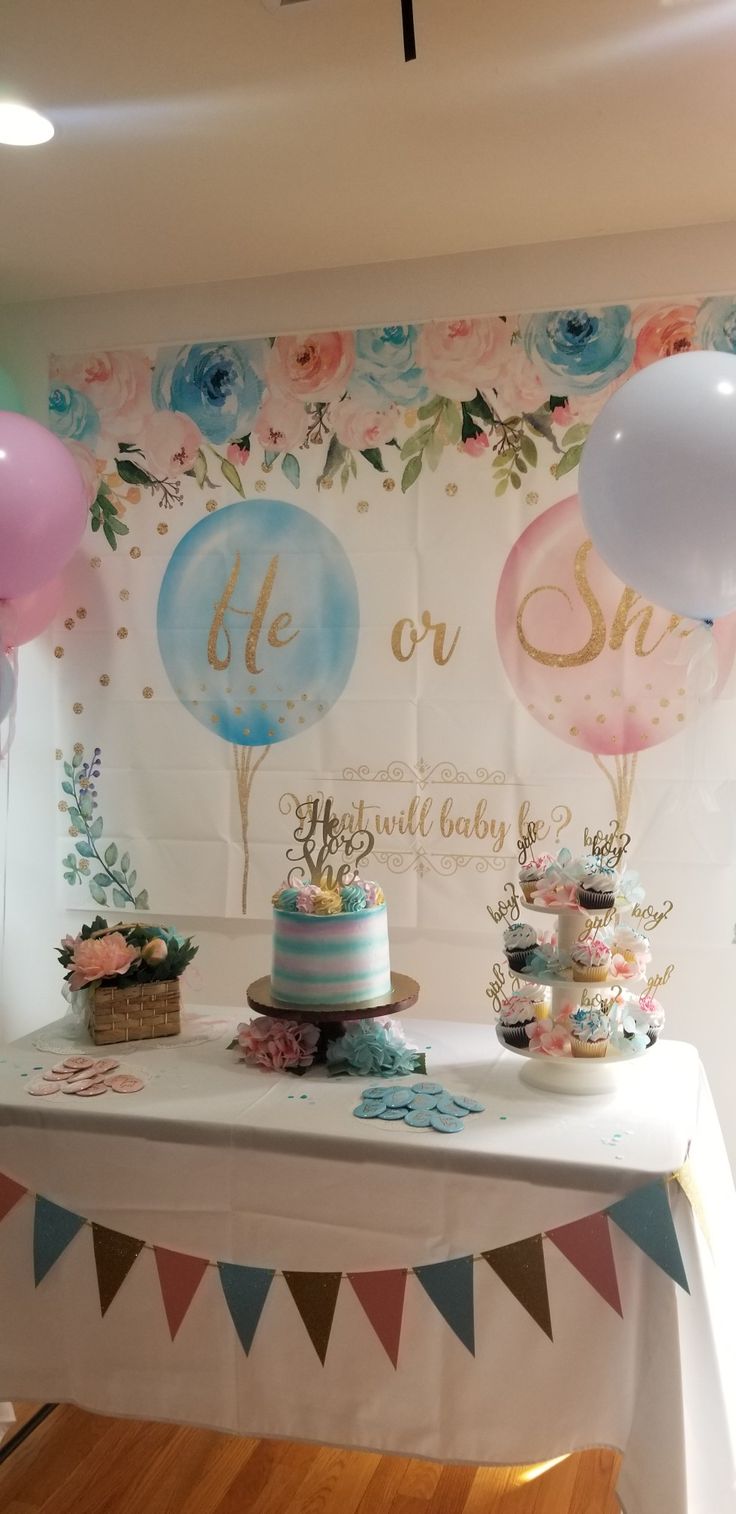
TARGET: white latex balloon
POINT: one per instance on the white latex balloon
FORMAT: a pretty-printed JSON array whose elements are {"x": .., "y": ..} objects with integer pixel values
[{"x": 658, "y": 483}]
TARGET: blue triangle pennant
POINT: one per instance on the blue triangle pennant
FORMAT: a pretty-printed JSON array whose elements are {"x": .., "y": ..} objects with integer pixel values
[
  {"x": 645, "y": 1216},
  {"x": 53, "y": 1229},
  {"x": 450, "y": 1287},
  {"x": 245, "y": 1290}
]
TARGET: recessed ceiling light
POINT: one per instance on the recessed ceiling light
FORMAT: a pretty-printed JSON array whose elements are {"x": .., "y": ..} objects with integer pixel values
[{"x": 22, "y": 127}]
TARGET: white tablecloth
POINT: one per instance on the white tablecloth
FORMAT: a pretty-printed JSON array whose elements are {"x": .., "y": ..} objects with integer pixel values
[{"x": 221, "y": 1161}]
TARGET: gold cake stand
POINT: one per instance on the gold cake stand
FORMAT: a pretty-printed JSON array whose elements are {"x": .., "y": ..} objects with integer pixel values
[{"x": 330, "y": 1017}]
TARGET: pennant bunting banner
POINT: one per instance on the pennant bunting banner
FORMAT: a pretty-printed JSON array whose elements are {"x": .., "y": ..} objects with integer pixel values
[
  {"x": 645, "y": 1216},
  {"x": 315, "y": 1296},
  {"x": 688, "y": 1182},
  {"x": 180, "y": 1276},
  {"x": 381, "y": 1295},
  {"x": 115, "y": 1254},
  {"x": 587, "y": 1245},
  {"x": 10, "y": 1193},
  {"x": 53, "y": 1229},
  {"x": 521, "y": 1267},
  {"x": 450, "y": 1287},
  {"x": 246, "y": 1291}
]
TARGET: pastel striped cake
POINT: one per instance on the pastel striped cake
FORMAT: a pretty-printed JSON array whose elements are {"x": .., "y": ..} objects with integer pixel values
[{"x": 330, "y": 958}]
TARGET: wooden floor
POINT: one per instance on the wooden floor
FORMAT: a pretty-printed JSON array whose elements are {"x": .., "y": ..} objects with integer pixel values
[{"x": 77, "y": 1463}]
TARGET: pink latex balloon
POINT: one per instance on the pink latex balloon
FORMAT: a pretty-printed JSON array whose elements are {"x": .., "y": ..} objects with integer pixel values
[
  {"x": 43, "y": 505},
  {"x": 593, "y": 662},
  {"x": 24, "y": 619}
]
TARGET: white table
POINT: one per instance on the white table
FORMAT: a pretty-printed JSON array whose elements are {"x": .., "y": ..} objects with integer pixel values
[{"x": 269, "y": 1170}]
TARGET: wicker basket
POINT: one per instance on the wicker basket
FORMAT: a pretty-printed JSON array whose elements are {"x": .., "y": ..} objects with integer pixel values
[{"x": 135, "y": 1013}]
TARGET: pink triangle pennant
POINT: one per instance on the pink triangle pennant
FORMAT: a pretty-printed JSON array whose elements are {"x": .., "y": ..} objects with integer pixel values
[
  {"x": 180, "y": 1276},
  {"x": 10, "y": 1193},
  {"x": 587, "y": 1245},
  {"x": 381, "y": 1295}
]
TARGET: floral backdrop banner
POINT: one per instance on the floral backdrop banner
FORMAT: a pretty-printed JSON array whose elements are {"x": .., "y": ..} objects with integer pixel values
[{"x": 353, "y": 563}]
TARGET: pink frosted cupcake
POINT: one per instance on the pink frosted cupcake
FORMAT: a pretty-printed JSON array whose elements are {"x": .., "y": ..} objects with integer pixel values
[
  {"x": 591, "y": 960},
  {"x": 531, "y": 874}
]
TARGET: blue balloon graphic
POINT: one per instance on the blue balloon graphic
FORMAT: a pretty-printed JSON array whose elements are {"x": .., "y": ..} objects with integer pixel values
[{"x": 258, "y": 620}]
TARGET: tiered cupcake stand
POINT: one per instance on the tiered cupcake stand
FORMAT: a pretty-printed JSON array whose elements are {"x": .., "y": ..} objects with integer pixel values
[{"x": 582, "y": 1075}]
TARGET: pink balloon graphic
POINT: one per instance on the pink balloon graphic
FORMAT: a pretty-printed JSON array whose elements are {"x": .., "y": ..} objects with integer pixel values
[
  {"x": 24, "y": 619},
  {"x": 43, "y": 505},
  {"x": 593, "y": 662}
]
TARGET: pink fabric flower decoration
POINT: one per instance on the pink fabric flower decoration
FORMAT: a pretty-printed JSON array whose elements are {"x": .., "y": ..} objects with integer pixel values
[
  {"x": 358, "y": 427},
  {"x": 622, "y": 968},
  {"x": 305, "y": 898},
  {"x": 459, "y": 357},
  {"x": 475, "y": 446},
  {"x": 169, "y": 441},
  {"x": 312, "y": 367},
  {"x": 99, "y": 957},
  {"x": 556, "y": 894},
  {"x": 552, "y": 1040},
  {"x": 664, "y": 333},
  {"x": 277, "y": 1045},
  {"x": 282, "y": 423}
]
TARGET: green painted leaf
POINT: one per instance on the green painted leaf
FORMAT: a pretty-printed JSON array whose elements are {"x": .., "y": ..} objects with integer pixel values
[
  {"x": 416, "y": 442},
  {"x": 528, "y": 450},
  {"x": 520, "y": 464},
  {"x": 110, "y": 536},
  {"x": 200, "y": 468},
  {"x": 433, "y": 451},
  {"x": 290, "y": 469},
  {"x": 95, "y": 522},
  {"x": 71, "y": 877},
  {"x": 125, "y": 862},
  {"x": 352, "y": 465},
  {"x": 67, "y": 788},
  {"x": 68, "y": 769},
  {"x": 141, "y": 899},
  {"x": 77, "y": 760},
  {"x": 85, "y": 805},
  {"x": 118, "y": 526},
  {"x": 575, "y": 434},
  {"x": 568, "y": 461},
  {"x": 111, "y": 854},
  {"x": 344, "y": 476},
  {"x": 120, "y": 899},
  {"x": 480, "y": 408},
  {"x": 411, "y": 473},
  {"x": 230, "y": 472},
  {"x": 515, "y": 480},
  {"x": 95, "y": 829},
  {"x": 450, "y": 424},
  {"x": 84, "y": 849},
  {"x": 269, "y": 457},
  {"x": 428, "y": 411},
  {"x": 132, "y": 875},
  {"x": 501, "y": 487},
  {"x": 97, "y": 894},
  {"x": 102, "y": 880},
  {"x": 75, "y": 818},
  {"x": 557, "y": 401},
  {"x": 470, "y": 427},
  {"x": 372, "y": 455},
  {"x": 132, "y": 474},
  {"x": 69, "y": 861},
  {"x": 335, "y": 458}
]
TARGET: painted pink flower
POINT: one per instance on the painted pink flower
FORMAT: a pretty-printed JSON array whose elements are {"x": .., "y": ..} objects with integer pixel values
[
  {"x": 237, "y": 454},
  {"x": 282, "y": 423},
  {"x": 475, "y": 446},
  {"x": 583, "y": 408},
  {"x": 664, "y": 333},
  {"x": 552, "y": 1040},
  {"x": 621, "y": 967},
  {"x": 358, "y": 427},
  {"x": 87, "y": 466},
  {"x": 277, "y": 1045},
  {"x": 519, "y": 385},
  {"x": 117, "y": 383},
  {"x": 459, "y": 357},
  {"x": 99, "y": 957},
  {"x": 306, "y": 895},
  {"x": 312, "y": 367},
  {"x": 169, "y": 441}
]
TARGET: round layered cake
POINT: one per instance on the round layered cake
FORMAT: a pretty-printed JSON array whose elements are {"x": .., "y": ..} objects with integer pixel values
[{"x": 330, "y": 946}]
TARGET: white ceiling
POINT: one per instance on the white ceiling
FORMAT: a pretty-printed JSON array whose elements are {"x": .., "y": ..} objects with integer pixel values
[{"x": 209, "y": 139}]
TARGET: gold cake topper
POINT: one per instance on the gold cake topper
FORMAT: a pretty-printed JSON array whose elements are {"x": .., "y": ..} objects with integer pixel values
[
  {"x": 610, "y": 846},
  {"x": 320, "y": 835}
]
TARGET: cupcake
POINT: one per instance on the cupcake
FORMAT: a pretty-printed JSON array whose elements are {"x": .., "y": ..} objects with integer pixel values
[
  {"x": 590, "y": 1033},
  {"x": 649, "y": 1017},
  {"x": 597, "y": 888},
  {"x": 631, "y": 944},
  {"x": 516, "y": 1013},
  {"x": 531, "y": 874},
  {"x": 519, "y": 941},
  {"x": 591, "y": 960}
]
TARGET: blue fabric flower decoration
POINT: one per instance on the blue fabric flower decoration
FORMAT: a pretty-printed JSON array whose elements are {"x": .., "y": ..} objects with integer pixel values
[
  {"x": 370, "y": 1048},
  {"x": 73, "y": 416},
  {"x": 386, "y": 370},
  {"x": 218, "y": 386},
  {"x": 580, "y": 350},
  {"x": 716, "y": 324},
  {"x": 353, "y": 898}
]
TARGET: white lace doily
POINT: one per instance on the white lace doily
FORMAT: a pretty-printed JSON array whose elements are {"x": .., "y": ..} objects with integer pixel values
[{"x": 70, "y": 1035}]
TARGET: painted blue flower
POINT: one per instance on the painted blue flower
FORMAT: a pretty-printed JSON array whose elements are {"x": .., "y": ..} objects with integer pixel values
[
  {"x": 580, "y": 350},
  {"x": 716, "y": 324},
  {"x": 369, "y": 1048},
  {"x": 386, "y": 368},
  {"x": 218, "y": 386},
  {"x": 73, "y": 416}
]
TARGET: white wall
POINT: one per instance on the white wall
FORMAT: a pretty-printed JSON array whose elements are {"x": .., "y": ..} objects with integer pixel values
[{"x": 631, "y": 267}]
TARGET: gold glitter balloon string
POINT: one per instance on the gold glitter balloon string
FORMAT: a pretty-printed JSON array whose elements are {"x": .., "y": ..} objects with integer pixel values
[
  {"x": 621, "y": 781},
  {"x": 246, "y": 767}
]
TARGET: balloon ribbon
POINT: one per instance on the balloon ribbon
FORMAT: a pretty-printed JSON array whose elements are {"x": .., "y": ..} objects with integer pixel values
[{"x": 407, "y": 22}]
